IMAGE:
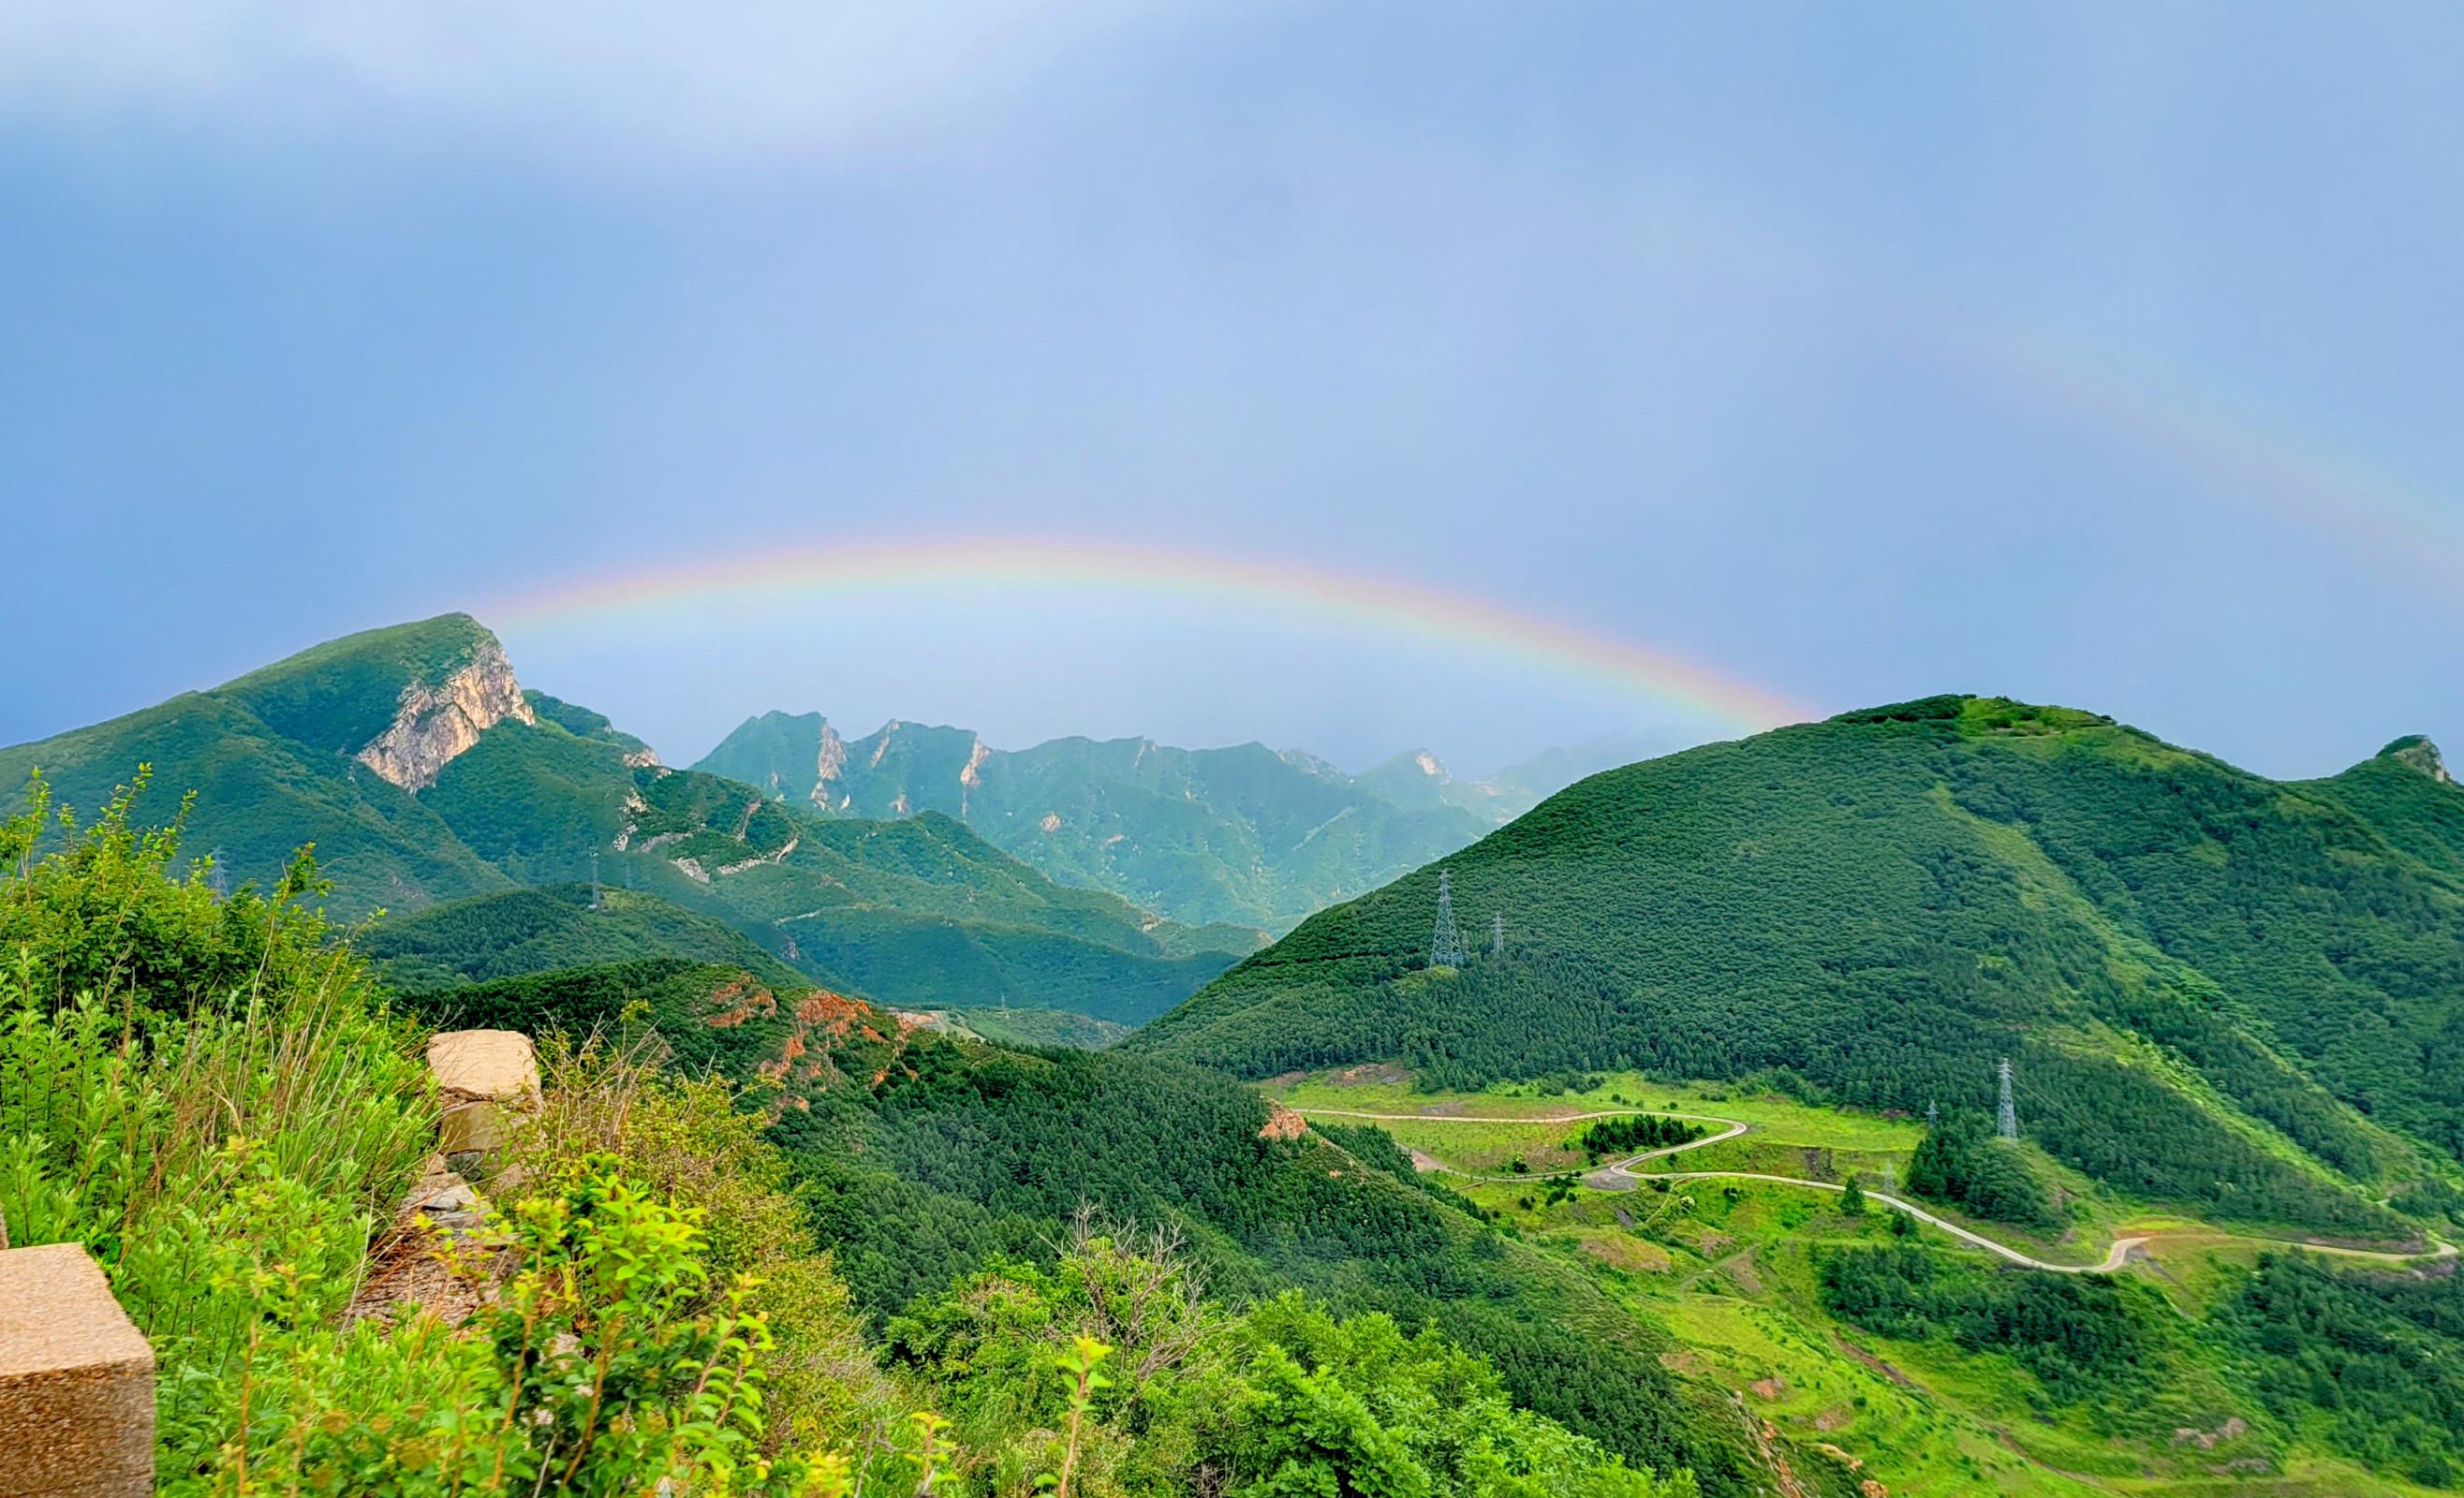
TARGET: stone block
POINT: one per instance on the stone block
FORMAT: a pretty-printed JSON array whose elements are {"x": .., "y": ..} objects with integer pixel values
[
  {"x": 485, "y": 1077},
  {"x": 76, "y": 1381}
]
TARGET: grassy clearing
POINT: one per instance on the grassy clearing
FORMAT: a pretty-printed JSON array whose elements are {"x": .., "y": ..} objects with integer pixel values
[{"x": 1783, "y": 1118}]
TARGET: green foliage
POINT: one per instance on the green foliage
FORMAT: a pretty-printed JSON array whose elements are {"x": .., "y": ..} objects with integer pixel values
[
  {"x": 1031, "y": 1029},
  {"x": 601, "y": 1365},
  {"x": 970, "y": 1156},
  {"x": 2073, "y": 1332},
  {"x": 1634, "y": 1132},
  {"x": 155, "y": 1042},
  {"x": 538, "y": 930},
  {"x": 1888, "y": 901},
  {"x": 338, "y": 696},
  {"x": 2375, "y": 1361},
  {"x": 1281, "y": 1397},
  {"x": 1961, "y": 1163}
]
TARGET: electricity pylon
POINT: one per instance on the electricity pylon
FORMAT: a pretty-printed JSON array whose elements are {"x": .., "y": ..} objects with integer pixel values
[
  {"x": 2007, "y": 1123},
  {"x": 1497, "y": 936},
  {"x": 1446, "y": 943}
]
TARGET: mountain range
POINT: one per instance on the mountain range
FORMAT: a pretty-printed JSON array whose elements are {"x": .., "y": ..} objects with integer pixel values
[
  {"x": 433, "y": 786},
  {"x": 2213, "y": 1017},
  {"x": 1245, "y": 835}
]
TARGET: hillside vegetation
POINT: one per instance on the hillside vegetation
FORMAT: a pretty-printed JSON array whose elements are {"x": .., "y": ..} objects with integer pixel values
[
  {"x": 2216, "y": 990},
  {"x": 535, "y": 791},
  {"x": 223, "y": 1107}
]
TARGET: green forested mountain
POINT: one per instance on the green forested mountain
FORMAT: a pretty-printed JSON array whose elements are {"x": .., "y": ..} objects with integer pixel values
[
  {"x": 1244, "y": 835},
  {"x": 2239, "y": 995},
  {"x": 425, "y": 776}
]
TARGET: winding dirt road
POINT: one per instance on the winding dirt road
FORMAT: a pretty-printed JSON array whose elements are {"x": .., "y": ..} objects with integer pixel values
[{"x": 1624, "y": 1171}]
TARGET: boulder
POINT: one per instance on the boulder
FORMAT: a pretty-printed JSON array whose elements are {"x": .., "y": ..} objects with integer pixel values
[{"x": 485, "y": 1077}]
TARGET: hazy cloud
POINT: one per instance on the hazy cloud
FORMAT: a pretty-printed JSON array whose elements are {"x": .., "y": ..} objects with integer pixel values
[{"x": 738, "y": 79}]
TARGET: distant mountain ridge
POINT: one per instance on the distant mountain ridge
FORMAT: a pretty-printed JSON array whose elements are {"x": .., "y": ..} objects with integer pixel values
[
  {"x": 427, "y": 776},
  {"x": 1243, "y": 834}
]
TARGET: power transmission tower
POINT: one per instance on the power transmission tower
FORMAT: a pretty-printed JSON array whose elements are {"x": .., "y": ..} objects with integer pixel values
[
  {"x": 217, "y": 879},
  {"x": 1497, "y": 936},
  {"x": 1934, "y": 1115},
  {"x": 594, "y": 881},
  {"x": 2007, "y": 1124},
  {"x": 1446, "y": 943},
  {"x": 1890, "y": 1179}
]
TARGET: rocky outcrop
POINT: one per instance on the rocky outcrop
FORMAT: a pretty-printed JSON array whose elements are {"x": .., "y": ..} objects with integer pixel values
[
  {"x": 1283, "y": 1123},
  {"x": 434, "y": 724},
  {"x": 828, "y": 762},
  {"x": 2419, "y": 754}
]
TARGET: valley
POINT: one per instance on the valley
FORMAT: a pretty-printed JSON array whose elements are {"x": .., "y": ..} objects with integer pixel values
[{"x": 1730, "y": 1259}]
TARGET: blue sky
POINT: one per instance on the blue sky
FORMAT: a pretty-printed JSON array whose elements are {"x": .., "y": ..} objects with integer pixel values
[{"x": 2105, "y": 355}]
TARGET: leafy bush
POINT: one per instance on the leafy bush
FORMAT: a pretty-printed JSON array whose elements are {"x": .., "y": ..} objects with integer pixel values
[{"x": 1282, "y": 1397}]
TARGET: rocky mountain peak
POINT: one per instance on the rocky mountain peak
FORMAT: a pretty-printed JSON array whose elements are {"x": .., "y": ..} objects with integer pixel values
[
  {"x": 435, "y": 721},
  {"x": 2417, "y": 752}
]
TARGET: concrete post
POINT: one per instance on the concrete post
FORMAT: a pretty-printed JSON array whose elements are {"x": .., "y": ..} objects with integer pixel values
[{"x": 76, "y": 1381}]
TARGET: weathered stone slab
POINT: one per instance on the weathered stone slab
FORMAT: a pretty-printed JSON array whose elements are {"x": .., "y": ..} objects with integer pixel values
[
  {"x": 76, "y": 1381},
  {"x": 485, "y": 1077}
]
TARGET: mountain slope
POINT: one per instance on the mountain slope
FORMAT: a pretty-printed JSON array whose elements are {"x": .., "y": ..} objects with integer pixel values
[
  {"x": 2217, "y": 990},
  {"x": 519, "y": 931},
  {"x": 425, "y": 775},
  {"x": 292, "y": 752},
  {"x": 1242, "y": 835},
  {"x": 925, "y": 1158}
]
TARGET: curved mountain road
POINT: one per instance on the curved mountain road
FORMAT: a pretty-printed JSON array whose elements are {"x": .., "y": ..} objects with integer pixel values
[{"x": 2114, "y": 1259}]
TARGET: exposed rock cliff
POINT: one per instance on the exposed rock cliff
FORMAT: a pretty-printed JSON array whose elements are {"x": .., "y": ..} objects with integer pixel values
[
  {"x": 436, "y": 723},
  {"x": 2422, "y": 755},
  {"x": 827, "y": 765}
]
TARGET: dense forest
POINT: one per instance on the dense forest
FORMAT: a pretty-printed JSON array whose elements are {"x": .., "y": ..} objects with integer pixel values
[{"x": 2169, "y": 950}]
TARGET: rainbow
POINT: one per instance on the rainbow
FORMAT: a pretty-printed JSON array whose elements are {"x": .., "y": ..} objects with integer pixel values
[{"x": 1385, "y": 605}]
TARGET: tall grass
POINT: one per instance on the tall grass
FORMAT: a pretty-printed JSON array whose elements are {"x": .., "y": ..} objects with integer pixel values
[{"x": 183, "y": 1075}]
